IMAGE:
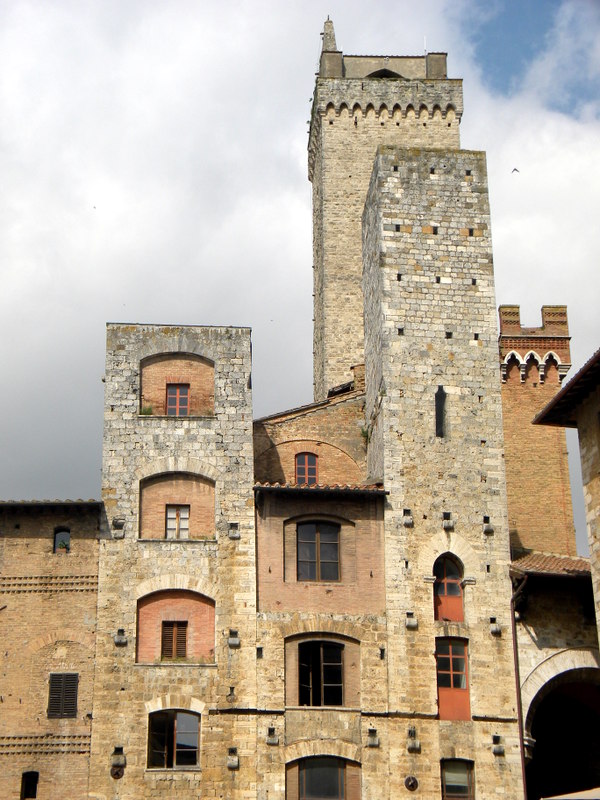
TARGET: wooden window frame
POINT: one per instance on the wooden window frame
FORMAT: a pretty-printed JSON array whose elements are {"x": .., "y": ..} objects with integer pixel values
[
  {"x": 448, "y": 605},
  {"x": 179, "y": 393},
  {"x": 315, "y": 692},
  {"x": 173, "y": 640},
  {"x": 318, "y": 559},
  {"x": 336, "y": 763},
  {"x": 307, "y": 472},
  {"x": 179, "y": 529},
  {"x": 453, "y": 699},
  {"x": 167, "y": 754},
  {"x": 62, "y": 695},
  {"x": 452, "y": 795}
]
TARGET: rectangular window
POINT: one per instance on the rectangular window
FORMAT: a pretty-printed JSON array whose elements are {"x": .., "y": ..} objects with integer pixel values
[
  {"x": 452, "y": 679},
  {"x": 178, "y": 399},
  {"x": 173, "y": 740},
  {"x": 62, "y": 695},
  {"x": 174, "y": 640},
  {"x": 320, "y": 673},
  {"x": 306, "y": 469},
  {"x": 318, "y": 549},
  {"x": 178, "y": 522},
  {"x": 29, "y": 785},
  {"x": 457, "y": 780},
  {"x": 321, "y": 778}
]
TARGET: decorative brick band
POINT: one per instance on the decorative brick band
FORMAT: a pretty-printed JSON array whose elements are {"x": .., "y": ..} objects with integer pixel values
[
  {"x": 45, "y": 744},
  {"x": 32, "y": 584}
]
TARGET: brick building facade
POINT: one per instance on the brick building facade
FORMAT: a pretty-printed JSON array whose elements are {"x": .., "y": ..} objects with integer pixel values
[{"x": 320, "y": 603}]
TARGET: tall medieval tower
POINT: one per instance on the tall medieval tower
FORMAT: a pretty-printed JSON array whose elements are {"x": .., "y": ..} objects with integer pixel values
[{"x": 359, "y": 103}]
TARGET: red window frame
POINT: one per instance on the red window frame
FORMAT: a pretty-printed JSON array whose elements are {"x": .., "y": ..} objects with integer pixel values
[
  {"x": 307, "y": 469},
  {"x": 178, "y": 399},
  {"x": 447, "y": 589},
  {"x": 452, "y": 667}
]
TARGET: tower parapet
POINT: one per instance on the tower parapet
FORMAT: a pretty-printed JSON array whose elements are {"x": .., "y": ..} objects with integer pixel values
[
  {"x": 361, "y": 102},
  {"x": 533, "y": 362}
]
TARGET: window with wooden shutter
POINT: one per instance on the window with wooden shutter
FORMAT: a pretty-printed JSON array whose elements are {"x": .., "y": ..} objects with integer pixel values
[
  {"x": 62, "y": 695},
  {"x": 174, "y": 640}
]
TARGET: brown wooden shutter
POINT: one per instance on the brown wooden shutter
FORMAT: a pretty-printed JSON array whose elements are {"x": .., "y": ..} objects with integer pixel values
[
  {"x": 167, "y": 640},
  {"x": 62, "y": 695},
  {"x": 181, "y": 640}
]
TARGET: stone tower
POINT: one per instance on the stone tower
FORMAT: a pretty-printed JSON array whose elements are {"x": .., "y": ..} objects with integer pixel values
[
  {"x": 434, "y": 425},
  {"x": 359, "y": 103},
  {"x": 533, "y": 362},
  {"x": 176, "y": 600}
]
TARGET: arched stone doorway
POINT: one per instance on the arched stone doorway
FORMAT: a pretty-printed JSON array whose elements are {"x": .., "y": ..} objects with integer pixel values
[{"x": 564, "y": 722}]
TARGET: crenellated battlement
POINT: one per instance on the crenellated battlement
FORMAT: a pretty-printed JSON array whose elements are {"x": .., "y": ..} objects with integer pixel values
[{"x": 534, "y": 348}]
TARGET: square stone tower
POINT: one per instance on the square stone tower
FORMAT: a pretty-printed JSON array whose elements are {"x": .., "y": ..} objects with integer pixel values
[
  {"x": 359, "y": 103},
  {"x": 176, "y": 600}
]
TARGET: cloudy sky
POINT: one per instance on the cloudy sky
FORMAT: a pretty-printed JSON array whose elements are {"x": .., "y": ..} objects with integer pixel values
[{"x": 153, "y": 168}]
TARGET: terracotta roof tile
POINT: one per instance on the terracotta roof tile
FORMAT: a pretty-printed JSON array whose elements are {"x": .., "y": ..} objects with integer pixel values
[
  {"x": 547, "y": 564},
  {"x": 373, "y": 488}
]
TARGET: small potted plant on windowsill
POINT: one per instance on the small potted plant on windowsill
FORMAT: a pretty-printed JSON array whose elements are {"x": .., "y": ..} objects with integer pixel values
[{"x": 63, "y": 547}]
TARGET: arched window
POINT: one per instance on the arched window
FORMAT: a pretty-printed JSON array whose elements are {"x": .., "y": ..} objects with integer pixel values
[
  {"x": 177, "y": 385},
  {"x": 306, "y": 469},
  {"x": 447, "y": 589},
  {"x": 173, "y": 738},
  {"x": 457, "y": 779}
]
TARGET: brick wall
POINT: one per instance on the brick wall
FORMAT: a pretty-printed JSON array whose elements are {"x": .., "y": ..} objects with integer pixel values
[
  {"x": 198, "y": 611},
  {"x": 192, "y": 490},
  {"x": 47, "y": 625},
  {"x": 157, "y": 371}
]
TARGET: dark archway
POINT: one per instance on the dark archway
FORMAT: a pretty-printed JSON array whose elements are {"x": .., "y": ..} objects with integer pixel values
[{"x": 565, "y": 724}]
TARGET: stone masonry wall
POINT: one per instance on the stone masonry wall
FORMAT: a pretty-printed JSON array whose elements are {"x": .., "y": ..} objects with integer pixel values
[
  {"x": 430, "y": 322},
  {"x": 588, "y": 424},
  {"x": 47, "y": 625},
  {"x": 350, "y": 118},
  {"x": 222, "y": 568}
]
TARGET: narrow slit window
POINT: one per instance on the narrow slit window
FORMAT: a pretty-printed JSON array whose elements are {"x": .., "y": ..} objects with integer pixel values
[{"x": 440, "y": 412}]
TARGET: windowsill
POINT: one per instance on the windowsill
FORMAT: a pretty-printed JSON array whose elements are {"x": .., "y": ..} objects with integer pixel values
[
  {"x": 173, "y": 416},
  {"x": 207, "y": 540},
  {"x": 210, "y": 664},
  {"x": 348, "y": 709},
  {"x": 170, "y": 770}
]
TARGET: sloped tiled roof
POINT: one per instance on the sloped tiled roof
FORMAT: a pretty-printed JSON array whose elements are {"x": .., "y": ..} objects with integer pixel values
[
  {"x": 355, "y": 488},
  {"x": 548, "y": 564},
  {"x": 560, "y": 410}
]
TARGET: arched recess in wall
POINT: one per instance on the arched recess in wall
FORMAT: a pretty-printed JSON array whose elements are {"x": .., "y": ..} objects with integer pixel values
[
  {"x": 277, "y": 463},
  {"x": 175, "y": 625},
  {"x": 323, "y": 777},
  {"x": 177, "y": 384},
  {"x": 178, "y": 506},
  {"x": 563, "y": 734},
  {"x": 322, "y": 669}
]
